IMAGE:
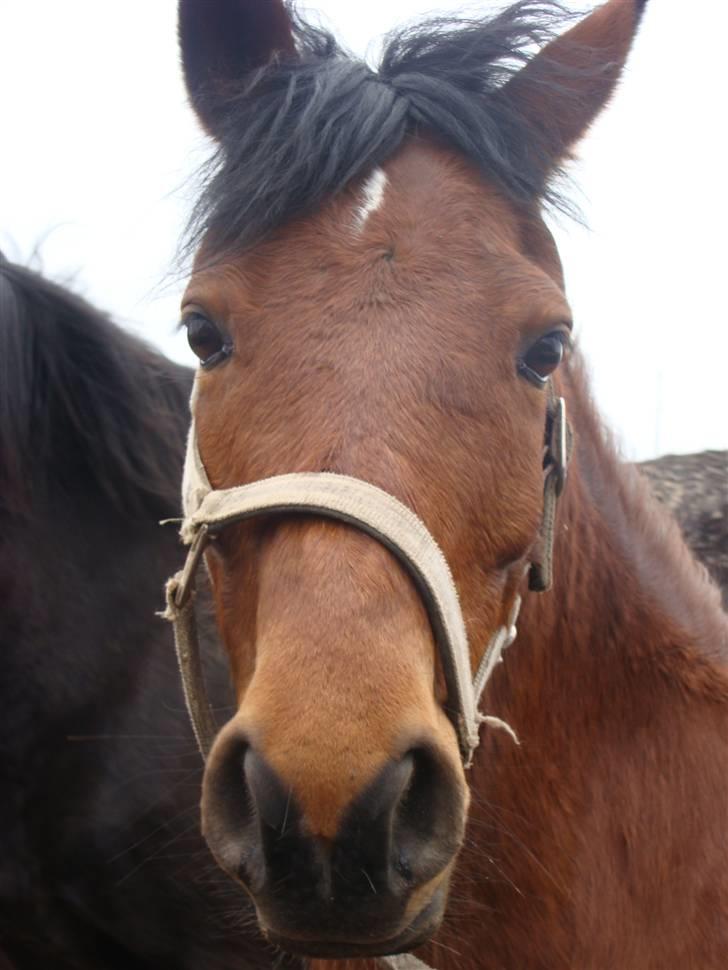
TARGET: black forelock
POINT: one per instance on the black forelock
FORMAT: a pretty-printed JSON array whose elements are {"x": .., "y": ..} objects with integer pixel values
[{"x": 300, "y": 129}]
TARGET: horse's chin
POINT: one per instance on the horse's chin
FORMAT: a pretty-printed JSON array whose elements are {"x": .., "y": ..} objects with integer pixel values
[{"x": 418, "y": 932}]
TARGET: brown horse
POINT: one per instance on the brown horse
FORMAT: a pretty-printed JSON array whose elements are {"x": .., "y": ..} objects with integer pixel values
[{"x": 376, "y": 295}]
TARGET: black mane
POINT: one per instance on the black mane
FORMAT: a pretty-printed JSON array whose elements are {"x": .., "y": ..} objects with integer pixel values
[
  {"x": 301, "y": 128},
  {"x": 83, "y": 402}
]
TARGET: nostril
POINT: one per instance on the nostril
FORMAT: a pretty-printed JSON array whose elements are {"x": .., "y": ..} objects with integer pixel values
[
  {"x": 389, "y": 789},
  {"x": 228, "y": 812},
  {"x": 249, "y": 819},
  {"x": 405, "y": 828},
  {"x": 415, "y": 807},
  {"x": 428, "y": 825},
  {"x": 271, "y": 799}
]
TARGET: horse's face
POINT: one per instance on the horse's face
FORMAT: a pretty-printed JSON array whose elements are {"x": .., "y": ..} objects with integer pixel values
[
  {"x": 384, "y": 346},
  {"x": 396, "y": 336}
]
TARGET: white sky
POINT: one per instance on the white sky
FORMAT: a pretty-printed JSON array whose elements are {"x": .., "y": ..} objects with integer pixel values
[{"x": 98, "y": 145}]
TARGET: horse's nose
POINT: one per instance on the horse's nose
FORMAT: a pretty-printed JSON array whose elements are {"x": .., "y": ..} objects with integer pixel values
[
  {"x": 279, "y": 836},
  {"x": 399, "y": 833}
]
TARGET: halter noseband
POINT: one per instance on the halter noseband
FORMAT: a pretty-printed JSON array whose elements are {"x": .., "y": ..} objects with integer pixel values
[{"x": 370, "y": 509}]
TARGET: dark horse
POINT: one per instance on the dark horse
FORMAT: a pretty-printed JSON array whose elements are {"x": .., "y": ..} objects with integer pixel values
[
  {"x": 101, "y": 866},
  {"x": 377, "y": 295}
]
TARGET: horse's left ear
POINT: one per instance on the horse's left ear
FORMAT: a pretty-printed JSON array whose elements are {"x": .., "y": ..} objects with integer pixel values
[
  {"x": 221, "y": 42},
  {"x": 564, "y": 87}
]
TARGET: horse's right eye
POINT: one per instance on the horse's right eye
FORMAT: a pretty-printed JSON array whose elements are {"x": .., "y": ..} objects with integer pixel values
[{"x": 205, "y": 339}]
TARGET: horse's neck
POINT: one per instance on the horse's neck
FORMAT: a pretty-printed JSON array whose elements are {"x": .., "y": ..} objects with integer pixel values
[
  {"x": 631, "y": 620},
  {"x": 79, "y": 616},
  {"x": 617, "y": 689},
  {"x": 628, "y": 593}
]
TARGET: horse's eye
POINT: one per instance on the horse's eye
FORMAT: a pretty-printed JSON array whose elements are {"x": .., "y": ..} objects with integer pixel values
[
  {"x": 205, "y": 339},
  {"x": 543, "y": 357}
]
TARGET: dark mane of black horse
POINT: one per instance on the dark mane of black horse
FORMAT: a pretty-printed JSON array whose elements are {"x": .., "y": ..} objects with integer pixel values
[
  {"x": 302, "y": 127},
  {"x": 101, "y": 862},
  {"x": 83, "y": 401}
]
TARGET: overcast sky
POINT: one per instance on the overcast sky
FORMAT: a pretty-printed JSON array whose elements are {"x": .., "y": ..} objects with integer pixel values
[{"x": 99, "y": 146}]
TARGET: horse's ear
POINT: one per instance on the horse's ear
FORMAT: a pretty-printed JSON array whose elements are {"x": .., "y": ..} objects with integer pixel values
[
  {"x": 564, "y": 87},
  {"x": 221, "y": 42}
]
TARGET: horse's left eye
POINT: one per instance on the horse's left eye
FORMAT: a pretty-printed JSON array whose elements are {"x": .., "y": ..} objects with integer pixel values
[
  {"x": 205, "y": 339},
  {"x": 543, "y": 357}
]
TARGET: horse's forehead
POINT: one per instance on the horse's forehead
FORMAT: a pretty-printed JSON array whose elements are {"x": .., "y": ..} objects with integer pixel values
[
  {"x": 425, "y": 207},
  {"x": 423, "y": 193},
  {"x": 434, "y": 199},
  {"x": 428, "y": 196},
  {"x": 423, "y": 172}
]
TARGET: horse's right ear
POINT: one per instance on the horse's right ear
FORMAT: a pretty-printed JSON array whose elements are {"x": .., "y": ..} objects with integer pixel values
[{"x": 221, "y": 42}]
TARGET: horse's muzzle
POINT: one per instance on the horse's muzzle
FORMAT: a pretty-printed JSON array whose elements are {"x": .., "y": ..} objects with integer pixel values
[{"x": 379, "y": 886}]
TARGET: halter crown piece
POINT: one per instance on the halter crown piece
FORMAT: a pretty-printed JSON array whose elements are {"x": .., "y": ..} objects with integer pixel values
[{"x": 208, "y": 511}]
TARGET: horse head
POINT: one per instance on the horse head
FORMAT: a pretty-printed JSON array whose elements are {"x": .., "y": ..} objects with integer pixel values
[{"x": 376, "y": 295}]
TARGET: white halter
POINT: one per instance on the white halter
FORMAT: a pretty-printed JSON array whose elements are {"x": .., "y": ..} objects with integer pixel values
[
  {"x": 207, "y": 511},
  {"x": 368, "y": 508}
]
